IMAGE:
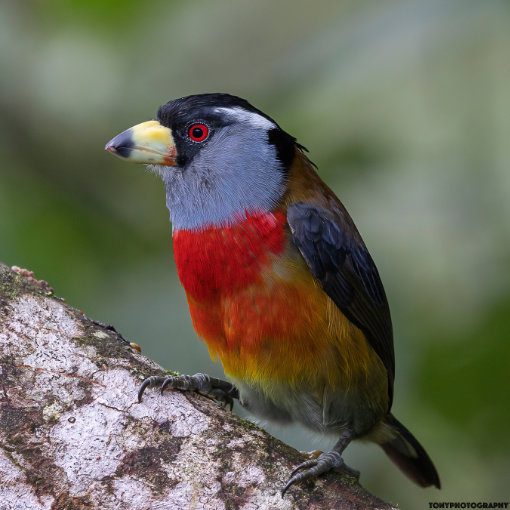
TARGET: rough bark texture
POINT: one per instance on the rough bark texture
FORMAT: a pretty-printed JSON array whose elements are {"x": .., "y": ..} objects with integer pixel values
[{"x": 72, "y": 435}]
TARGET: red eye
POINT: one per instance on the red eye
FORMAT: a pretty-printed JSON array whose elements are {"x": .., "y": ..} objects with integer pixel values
[{"x": 198, "y": 132}]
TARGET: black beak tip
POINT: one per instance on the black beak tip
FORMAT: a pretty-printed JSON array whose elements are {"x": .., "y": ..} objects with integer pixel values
[
  {"x": 121, "y": 145},
  {"x": 109, "y": 147}
]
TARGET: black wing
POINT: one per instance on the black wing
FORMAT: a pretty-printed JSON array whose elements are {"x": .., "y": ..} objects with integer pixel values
[{"x": 338, "y": 258}]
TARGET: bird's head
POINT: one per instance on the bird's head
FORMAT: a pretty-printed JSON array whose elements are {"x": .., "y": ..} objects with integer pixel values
[{"x": 219, "y": 157}]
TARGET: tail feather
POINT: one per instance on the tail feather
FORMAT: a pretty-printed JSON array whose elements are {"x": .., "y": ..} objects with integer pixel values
[{"x": 409, "y": 455}]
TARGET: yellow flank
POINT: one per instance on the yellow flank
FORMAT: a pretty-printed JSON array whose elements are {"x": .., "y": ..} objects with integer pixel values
[{"x": 286, "y": 330}]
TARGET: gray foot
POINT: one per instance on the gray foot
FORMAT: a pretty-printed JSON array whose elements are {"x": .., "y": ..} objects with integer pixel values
[
  {"x": 314, "y": 467},
  {"x": 222, "y": 392},
  {"x": 323, "y": 463}
]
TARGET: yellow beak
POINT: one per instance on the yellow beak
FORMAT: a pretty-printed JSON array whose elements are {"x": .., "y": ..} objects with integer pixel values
[{"x": 148, "y": 142}]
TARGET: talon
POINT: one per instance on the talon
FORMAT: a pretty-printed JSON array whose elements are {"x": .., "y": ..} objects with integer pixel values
[
  {"x": 292, "y": 481},
  {"x": 168, "y": 380},
  {"x": 314, "y": 467},
  {"x": 222, "y": 392},
  {"x": 150, "y": 381},
  {"x": 305, "y": 464},
  {"x": 142, "y": 390}
]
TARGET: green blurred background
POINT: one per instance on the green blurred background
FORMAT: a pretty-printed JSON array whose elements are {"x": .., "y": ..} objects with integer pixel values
[{"x": 405, "y": 107}]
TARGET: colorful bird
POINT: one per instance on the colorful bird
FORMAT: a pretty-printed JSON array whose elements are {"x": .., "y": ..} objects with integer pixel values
[{"x": 279, "y": 282}]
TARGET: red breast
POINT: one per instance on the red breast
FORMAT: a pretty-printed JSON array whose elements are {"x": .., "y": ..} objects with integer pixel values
[{"x": 218, "y": 261}]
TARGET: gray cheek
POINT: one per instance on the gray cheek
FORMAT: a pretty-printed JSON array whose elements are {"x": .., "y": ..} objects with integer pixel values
[
  {"x": 205, "y": 182},
  {"x": 236, "y": 172}
]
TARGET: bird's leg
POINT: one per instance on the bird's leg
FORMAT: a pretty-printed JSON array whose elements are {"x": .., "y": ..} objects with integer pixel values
[
  {"x": 323, "y": 463},
  {"x": 220, "y": 391}
]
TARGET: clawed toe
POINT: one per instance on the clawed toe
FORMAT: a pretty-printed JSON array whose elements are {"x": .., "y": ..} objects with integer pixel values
[
  {"x": 314, "y": 467},
  {"x": 169, "y": 381},
  {"x": 222, "y": 392},
  {"x": 154, "y": 380},
  {"x": 304, "y": 465},
  {"x": 174, "y": 382}
]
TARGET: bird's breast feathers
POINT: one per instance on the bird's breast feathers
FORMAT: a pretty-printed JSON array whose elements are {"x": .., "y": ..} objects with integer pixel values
[
  {"x": 216, "y": 261},
  {"x": 259, "y": 309}
]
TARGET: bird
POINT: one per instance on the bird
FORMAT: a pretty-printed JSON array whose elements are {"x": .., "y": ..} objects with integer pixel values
[{"x": 279, "y": 282}]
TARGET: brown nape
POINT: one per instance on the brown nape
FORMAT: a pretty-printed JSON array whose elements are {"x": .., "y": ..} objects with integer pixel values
[{"x": 305, "y": 185}]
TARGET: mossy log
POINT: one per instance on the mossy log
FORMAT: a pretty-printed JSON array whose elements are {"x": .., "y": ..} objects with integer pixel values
[{"x": 73, "y": 436}]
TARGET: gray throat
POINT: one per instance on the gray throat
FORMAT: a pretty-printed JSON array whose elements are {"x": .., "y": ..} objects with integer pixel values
[{"x": 236, "y": 173}]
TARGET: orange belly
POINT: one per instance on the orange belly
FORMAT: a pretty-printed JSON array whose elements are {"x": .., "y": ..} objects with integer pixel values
[
  {"x": 255, "y": 303},
  {"x": 287, "y": 331}
]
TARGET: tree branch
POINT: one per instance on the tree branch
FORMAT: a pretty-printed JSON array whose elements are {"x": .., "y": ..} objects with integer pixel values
[{"x": 72, "y": 435}]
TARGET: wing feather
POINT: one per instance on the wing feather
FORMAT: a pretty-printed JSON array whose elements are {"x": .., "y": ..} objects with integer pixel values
[{"x": 340, "y": 261}]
